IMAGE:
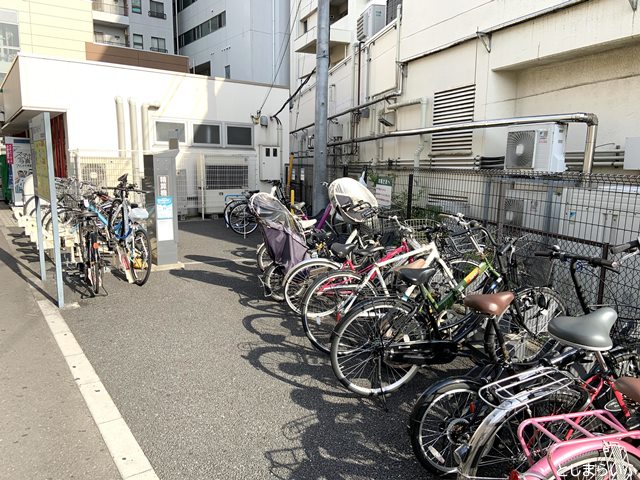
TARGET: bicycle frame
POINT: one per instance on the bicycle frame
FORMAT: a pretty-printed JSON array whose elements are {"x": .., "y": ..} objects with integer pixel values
[{"x": 565, "y": 450}]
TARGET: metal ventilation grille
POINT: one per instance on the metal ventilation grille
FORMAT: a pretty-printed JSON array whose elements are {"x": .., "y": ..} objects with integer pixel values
[
  {"x": 453, "y": 106},
  {"x": 221, "y": 177},
  {"x": 520, "y": 149}
]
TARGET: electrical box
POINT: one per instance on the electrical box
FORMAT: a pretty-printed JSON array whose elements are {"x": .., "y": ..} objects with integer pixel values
[
  {"x": 632, "y": 153},
  {"x": 270, "y": 163}
]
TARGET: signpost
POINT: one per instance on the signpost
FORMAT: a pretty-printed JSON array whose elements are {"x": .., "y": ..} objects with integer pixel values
[
  {"x": 384, "y": 191},
  {"x": 45, "y": 189}
]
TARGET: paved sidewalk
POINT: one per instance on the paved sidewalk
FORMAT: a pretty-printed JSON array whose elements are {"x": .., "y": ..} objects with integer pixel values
[{"x": 46, "y": 431}]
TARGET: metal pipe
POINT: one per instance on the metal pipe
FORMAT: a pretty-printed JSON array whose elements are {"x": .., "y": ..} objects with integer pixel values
[
  {"x": 590, "y": 147},
  {"x": 136, "y": 162},
  {"x": 422, "y": 144},
  {"x": 146, "y": 144},
  {"x": 588, "y": 118},
  {"x": 322, "y": 93},
  {"x": 348, "y": 110},
  {"x": 122, "y": 146}
]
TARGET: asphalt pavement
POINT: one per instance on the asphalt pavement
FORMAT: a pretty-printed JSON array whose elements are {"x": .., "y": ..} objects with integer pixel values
[{"x": 214, "y": 381}]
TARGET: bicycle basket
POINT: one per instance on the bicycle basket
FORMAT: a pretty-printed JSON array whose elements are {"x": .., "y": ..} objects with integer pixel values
[
  {"x": 626, "y": 330},
  {"x": 138, "y": 214}
]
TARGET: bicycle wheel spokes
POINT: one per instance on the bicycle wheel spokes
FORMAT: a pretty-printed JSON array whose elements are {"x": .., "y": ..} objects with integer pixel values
[
  {"x": 360, "y": 348},
  {"x": 140, "y": 257}
]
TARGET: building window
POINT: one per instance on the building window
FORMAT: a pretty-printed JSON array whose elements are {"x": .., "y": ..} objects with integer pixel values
[
  {"x": 158, "y": 45},
  {"x": 392, "y": 10},
  {"x": 227, "y": 71},
  {"x": 167, "y": 130},
  {"x": 202, "y": 30},
  {"x": 138, "y": 41},
  {"x": 136, "y": 6},
  {"x": 239, "y": 136},
  {"x": 305, "y": 26},
  {"x": 206, "y": 134},
  {"x": 182, "y": 4},
  {"x": 157, "y": 9},
  {"x": 203, "y": 69}
]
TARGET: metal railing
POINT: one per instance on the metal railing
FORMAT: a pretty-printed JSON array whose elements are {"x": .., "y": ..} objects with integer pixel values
[
  {"x": 111, "y": 8},
  {"x": 111, "y": 40},
  {"x": 160, "y": 50},
  {"x": 153, "y": 13}
]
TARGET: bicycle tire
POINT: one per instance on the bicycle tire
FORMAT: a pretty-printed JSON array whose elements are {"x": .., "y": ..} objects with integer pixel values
[
  {"x": 324, "y": 304},
  {"x": 228, "y": 207},
  {"x": 273, "y": 277},
  {"x": 528, "y": 342},
  {"x": 263, "y": 257},
  {"x": 450, "y": 405},
  {"x": 489, "y": 457},
  {"x": 141, "y": 257},
  {"x": 301, "y": 277},
  {"x": 358, "y": 355},
  {"x": 241, "y": 220},
  {"x": 95, "y": 263}
]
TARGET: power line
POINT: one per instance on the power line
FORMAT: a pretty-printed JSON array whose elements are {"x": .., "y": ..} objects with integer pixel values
[{"x": 284, "y": 52}]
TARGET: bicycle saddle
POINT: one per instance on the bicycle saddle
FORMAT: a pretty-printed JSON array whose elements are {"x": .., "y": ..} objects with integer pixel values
[
  {"x": 87, "y": 215},
  {"x": 489, "y": 304},
  {"x": 629, "y": 387},
  {"x": 590, "y": 332},
  {"x": 370, "y": 251},
  {"x": 307, "y": 224},
  {"x": 417, "y": 276},
  {"x": 342, "y": 250}
]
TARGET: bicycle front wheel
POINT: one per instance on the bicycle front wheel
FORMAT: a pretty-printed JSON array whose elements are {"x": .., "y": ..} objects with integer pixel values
[
  {"x": 362, "y": 341},
  {"x": 141, "y": 257},
  {"x": 301, "y": 277},
  {"x": 241, "y": 220},
  {"x": 327, "y": 300}
]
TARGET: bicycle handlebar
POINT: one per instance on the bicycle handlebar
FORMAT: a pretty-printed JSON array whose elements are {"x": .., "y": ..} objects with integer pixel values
[
  {"x": 593, "y": 261},
  {"x": 623, "y": 247}
]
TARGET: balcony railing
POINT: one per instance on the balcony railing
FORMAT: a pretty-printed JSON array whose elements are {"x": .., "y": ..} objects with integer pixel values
[
  {"x": 161, "y": 50},
  {"x": 111, "y": 8},
  {"x": 111, "y": 40},
  {"x": 155, "y": 14}
]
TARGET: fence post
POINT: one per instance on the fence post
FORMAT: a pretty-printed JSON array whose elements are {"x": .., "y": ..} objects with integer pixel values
[
  {"x": 500, "y": 212},
  {"x": 345, "y": 170},
  {"x": 603, "y": 275},
  {"x": 410, "y": 196}
]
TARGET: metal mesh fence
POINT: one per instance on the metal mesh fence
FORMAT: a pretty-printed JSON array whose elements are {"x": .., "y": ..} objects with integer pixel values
[{"x": 582, "y": 214}]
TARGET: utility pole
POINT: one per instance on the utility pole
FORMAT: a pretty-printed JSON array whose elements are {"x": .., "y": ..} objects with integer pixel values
[{"x": 322, "y": 92}]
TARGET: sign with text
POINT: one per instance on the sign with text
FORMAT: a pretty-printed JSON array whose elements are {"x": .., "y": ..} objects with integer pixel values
[
  {"x": 19, "y": 157},
  {"x": 384, "y": 191},
  {"x": 40, "y": 156}
]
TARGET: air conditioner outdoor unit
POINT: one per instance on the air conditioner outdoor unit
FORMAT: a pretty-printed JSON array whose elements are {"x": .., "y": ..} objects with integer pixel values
[
  {"x": 371, "y": 21},
  {"x": 538, "y": 147}
]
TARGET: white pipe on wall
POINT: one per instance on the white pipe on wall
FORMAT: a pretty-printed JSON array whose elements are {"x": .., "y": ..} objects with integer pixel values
[
  {"x": 133, "y": 128},
  {"x": 122, "y": 146},
  {"x": 422, "y": 144}
]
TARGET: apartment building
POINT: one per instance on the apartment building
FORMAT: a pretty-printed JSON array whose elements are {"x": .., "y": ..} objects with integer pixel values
[
  {"x": 141, "y": 24},
  {"x": 111, "y": 104},
  {"x": 442, "y": 62},
  {"x": 241, "y": 40}
]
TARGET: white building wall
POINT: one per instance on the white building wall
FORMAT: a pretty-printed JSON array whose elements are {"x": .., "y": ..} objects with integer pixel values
[
  {"x": 147, "y": 26},
  {"x": 580, "y": 58},
  {"x": 253, "y": 41}
]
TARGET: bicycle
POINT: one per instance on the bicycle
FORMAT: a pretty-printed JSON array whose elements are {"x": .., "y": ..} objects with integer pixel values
[{"x": 591, "y": 334}]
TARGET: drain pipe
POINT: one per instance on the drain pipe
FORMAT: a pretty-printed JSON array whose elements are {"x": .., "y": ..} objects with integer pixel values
[
  {"x": 590, "y": 119},
  {"x": 146, "y": 144},
  {"x": 135, "y": 146},
  {"x": 422, "y": 144},
  {"x": 122, "y": 147}
]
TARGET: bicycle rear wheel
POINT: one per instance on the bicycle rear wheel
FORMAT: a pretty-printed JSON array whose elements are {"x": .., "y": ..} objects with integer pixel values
[
  {"x": 361, "y": 341},
  {"x": 140, "y": 257},
  {"x": 263, "y": 258},
  {"x": 273, "y": 277},
  {"x": 612, "y": 461}
]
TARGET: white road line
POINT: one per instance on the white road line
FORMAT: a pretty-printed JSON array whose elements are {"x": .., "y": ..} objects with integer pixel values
[
  {"x": 214, "y": 262},
  {"x": 125, "y": 451}
]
